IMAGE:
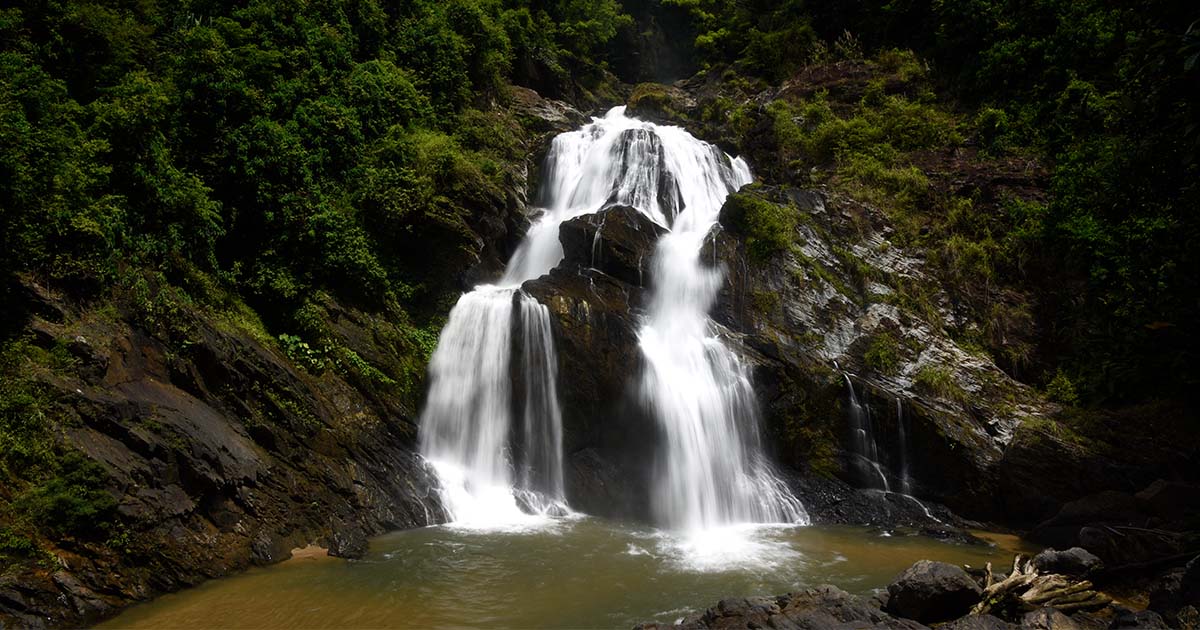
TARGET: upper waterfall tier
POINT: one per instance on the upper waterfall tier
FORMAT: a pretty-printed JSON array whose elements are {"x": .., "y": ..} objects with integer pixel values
[{"x": 663, "y": 172}]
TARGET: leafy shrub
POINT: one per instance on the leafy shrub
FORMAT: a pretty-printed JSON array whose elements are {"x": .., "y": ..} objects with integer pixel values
[
  {"x": 1061, "y": 389},
  {"x": 302, "y": 354}
]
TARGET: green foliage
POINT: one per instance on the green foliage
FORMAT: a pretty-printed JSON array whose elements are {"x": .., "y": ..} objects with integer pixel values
[
  {"x": 1061, "y": 389},
  {"x": 74, "y": 501},
  {"x": 302, "y": 354},
  {"x": 15, "y": 545},
  {"x": 25, "y": 445},
  {"x": 883, "y": 353},
  {"x": 768, "y": 39},
  {"x": 769, "y": 227},
  {"x": 1107, "y": 94}
]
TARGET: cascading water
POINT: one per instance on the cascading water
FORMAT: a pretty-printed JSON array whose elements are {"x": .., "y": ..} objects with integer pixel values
[
  {"x": 866, "y": 451},
  {"x": 713, "y": 471},
  {"x": 871, "y": 471}
]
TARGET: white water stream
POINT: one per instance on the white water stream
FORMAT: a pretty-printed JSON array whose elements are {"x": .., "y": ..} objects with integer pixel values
[{"x": 712, "y": 472}]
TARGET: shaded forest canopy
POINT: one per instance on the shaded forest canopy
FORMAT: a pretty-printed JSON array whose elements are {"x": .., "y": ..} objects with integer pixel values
[{"x": 264, "y": 154}]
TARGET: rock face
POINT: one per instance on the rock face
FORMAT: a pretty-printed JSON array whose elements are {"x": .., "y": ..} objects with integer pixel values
[
  {"x": 835, "y": 292},
  {"x": 812, "y": 609},
  {"x": 222, "y": 453},
  {"x": 932, "y": 591},
  {"x": 596, "y": 297}
]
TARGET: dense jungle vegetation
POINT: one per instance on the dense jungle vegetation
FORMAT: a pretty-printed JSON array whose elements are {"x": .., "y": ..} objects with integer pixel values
[{"x": 255, "y": 155}]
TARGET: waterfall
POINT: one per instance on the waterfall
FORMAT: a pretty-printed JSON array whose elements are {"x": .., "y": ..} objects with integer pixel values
[
  {"x": 468, "y": 415},
  {"x": 712, "y": 471},
  {"x": 866, "y": 452}
]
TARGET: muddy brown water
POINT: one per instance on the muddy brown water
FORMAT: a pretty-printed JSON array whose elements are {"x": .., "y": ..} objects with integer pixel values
[{"x": 575, "y": 573}]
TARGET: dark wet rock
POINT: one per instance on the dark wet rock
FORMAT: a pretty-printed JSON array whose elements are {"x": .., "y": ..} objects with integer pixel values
[
  {"x": 1142, "y": 619},
  {"x": 1119, "y": 545},
  {"x": 1176, "y": 591},
  {"x": 608, "y": 440},
  {"x": 545, "y": 114},
  {"x": 932, "y": 591},
  {"x": 1171, "y": 502},
  {"x": 978, "y": 622},
  {"x": 664, "y": 104},
  {"x": 819, "y": 608},
  {"x": 619, "y": 241},
  {"x": 1110, "y": 506},
  {"x": 1049, "y": 619},
  {"x": 814, "y": 308},
  {"x": 348, "y": 543},
  {"x": 1074, "y": 562},
  {"x": 1055, "y": 619}
]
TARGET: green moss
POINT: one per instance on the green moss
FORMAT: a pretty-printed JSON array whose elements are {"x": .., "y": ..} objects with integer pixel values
[
  {"x": 939, "y": 381},
  {"x": 74, "y": 501},
  {"x": 765, "y": 302},
  {"x": 769, "y": 228},
  {"x": 15, "y": 546},
  {"x": 883, "y": 353},
  {"x": 653, "y": 97},
  {"x": 353, "y": 365},
  {"x": 916, "y": 298}
]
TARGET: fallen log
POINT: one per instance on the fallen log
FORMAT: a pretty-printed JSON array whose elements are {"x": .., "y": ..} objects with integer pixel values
[{"x": 1026, "y": 589}]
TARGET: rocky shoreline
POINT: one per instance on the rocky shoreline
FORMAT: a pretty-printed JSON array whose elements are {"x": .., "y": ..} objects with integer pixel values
[{"x": 1055, "y": 590}]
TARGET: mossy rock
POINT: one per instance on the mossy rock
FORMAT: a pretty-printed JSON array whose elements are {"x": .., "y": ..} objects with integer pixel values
[{"x": 659, "y": 103}]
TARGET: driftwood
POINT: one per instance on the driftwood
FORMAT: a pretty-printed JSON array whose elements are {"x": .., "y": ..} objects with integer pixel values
[{"x": 1025, "y": 589}]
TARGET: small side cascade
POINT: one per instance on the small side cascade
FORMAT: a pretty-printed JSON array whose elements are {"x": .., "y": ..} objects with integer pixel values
[
  {"x": 871, "y": 471},
  {"x": 469, "y": 413},
  {"x": 541, "y": 483},
  {"x": 902, "y": 431},
  {"x": 596, "y": 239},
  {"x": 866, "y": 451}
]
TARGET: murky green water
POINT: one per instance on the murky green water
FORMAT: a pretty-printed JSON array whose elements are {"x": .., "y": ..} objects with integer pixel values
[{"x": 575, "y": 573}]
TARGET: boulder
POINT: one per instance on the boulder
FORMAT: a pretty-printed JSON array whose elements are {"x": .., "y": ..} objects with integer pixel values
[
  {"x": 1175, "y": 591},
  {"x": 618, "y": 241},
  {"x": 348, "y": 543},
  {"x": 1109, "y": 506},
  {"x": 932, "y": 591},
  {"x": 1049, "y": 619},
  {"x": 1147, "y": 619},
  {"x": 1075, "y": 562},
  {"x": 608, "y": 439},
  {"x": 1119, "y": 545},
  {"x": 811, "y": 609},
  {"x": 978, "y": 622}
]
